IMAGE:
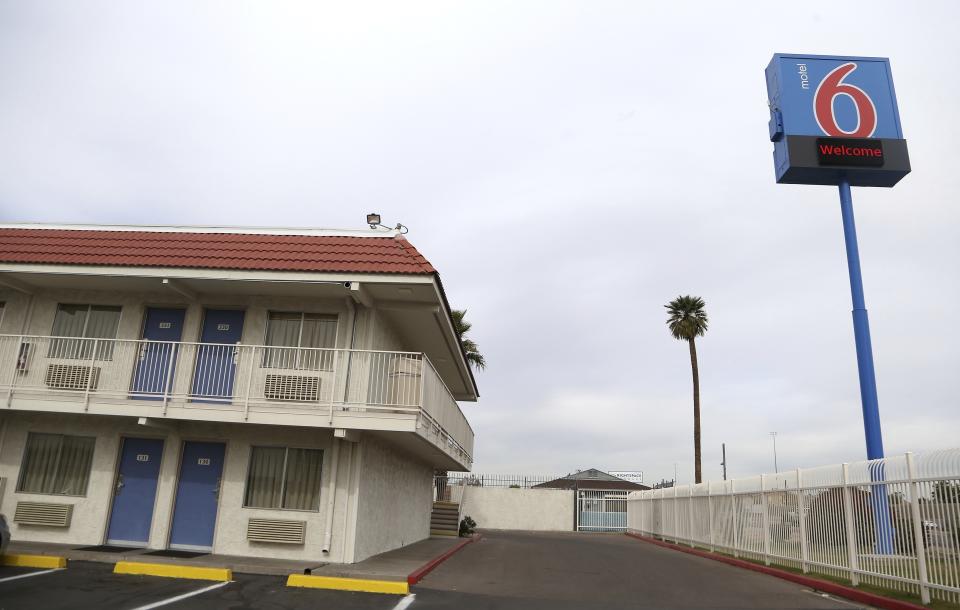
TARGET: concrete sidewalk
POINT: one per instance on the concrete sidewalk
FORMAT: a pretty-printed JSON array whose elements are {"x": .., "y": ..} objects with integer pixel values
[{"x": 392, "y": 565}]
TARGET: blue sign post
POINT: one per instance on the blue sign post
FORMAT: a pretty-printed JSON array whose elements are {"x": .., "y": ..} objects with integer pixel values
[{"x": 834, "y": 121}]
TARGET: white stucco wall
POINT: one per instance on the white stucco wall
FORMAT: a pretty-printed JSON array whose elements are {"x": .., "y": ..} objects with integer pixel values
[
  {"x": 91, "y": 512},
  {"x": 519, "y": 509},
  {"x": 395, "y": 499}
]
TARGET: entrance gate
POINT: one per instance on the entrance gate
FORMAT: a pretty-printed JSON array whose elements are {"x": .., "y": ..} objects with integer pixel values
[{"x": 601, "y": 511}]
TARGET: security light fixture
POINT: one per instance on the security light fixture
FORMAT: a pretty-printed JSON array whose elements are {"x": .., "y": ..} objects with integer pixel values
[{"x": 373, "y": 219}]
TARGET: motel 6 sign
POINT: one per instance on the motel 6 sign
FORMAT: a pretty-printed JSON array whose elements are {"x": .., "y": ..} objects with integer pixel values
[{"x": 835, "y": 117}]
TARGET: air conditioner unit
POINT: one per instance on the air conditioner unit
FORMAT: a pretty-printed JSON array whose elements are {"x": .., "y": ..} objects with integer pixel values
[
  {"x": 72, "y": 376},
  {"x": 291, "y": 387},
  {"x": 276, "y": 530},
  {"x": 42, "y": 513}
]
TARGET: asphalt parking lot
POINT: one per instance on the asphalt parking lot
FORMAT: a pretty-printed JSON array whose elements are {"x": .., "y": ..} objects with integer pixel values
[{"x": 501, "y": 571}]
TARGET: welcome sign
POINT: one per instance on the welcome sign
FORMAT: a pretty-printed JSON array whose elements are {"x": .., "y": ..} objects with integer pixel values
[{"x": 835, "y": 117}]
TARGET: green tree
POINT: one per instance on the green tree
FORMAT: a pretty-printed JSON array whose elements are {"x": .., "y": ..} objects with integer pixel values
[
  {"x": 470, "y": 349},
  {"x": 687, "y": 320}
]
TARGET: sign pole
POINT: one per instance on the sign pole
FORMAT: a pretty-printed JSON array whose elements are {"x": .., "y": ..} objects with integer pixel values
[{"x": 868, "y": 380}]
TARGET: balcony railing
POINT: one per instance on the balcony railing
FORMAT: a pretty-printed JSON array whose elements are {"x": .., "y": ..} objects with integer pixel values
[{"x": 239, "y": 377}]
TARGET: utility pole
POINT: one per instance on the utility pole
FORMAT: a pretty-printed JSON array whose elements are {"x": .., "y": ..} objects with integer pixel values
[
  {"x": 724, "y": 462},
  {"x": 774, "y": 436}
]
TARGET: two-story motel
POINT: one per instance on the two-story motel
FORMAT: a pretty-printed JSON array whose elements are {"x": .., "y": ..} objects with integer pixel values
[{"x": 264, "y": 392}]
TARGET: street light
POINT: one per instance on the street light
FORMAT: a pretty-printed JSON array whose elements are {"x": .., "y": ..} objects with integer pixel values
[{"x": 774, "y": 436}]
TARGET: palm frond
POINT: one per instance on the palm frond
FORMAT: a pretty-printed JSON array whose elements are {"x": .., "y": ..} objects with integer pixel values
[
  {"x": 470, "y": 350},
  {"x": 686, "y": 317}
]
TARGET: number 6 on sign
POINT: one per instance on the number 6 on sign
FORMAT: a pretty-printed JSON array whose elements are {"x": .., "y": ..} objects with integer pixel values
[{"x": 831, "y": 87}]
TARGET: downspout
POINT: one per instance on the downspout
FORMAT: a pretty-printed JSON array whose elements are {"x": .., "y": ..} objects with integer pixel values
[
  {"x": 353, "y": 341},
  {"x": 351, "y": 467},
  {"x": 3, "y": 438},
  {"x": 331, "y": 496}
]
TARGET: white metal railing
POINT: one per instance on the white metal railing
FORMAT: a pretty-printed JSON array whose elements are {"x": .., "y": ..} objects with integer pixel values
[
  {"x": 893, "y": 523},
  {"x": 238, "y": 377},
  {"x": 523, "y": 481}
]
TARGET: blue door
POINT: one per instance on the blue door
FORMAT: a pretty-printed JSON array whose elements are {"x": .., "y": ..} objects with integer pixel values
[
  {"x": 156, "y": 361},
  {"x": 198, "y": 493},
  {"x": 135, "y": 490},
  {"x": 217, "y": 361}
]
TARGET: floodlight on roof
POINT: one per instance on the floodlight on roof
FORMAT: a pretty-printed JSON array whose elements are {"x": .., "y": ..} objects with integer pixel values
[{"x": 373, "y": 219}]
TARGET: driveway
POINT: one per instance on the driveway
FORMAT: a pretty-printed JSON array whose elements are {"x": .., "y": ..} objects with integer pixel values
[
  {"x": 502, "y": 571},
  {"x": 601, "y": 571}
]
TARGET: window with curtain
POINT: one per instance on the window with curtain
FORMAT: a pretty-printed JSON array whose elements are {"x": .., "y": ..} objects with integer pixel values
[
  {"x": 56, "y": 464},
  {"x": 86, "y": 323},
  {"x": 291, "y": 335},
  {"x": 284, "y": 478}
]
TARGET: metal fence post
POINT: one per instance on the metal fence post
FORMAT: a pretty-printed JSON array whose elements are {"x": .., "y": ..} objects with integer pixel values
[
  {"x": 802, "y": 516},
  {"x": 765, "y": 523},
  {"x": 246, "y": 394},
  {"x": 168, "y": 382},
  {"x": 23, "y": 356},
  {"x": 710, "y": 514},
  {"x": 849, "y": 526},
  {"x": 918, "y": 530},
  {"x": 735, "y": 511},
  {"x": 676, "y": 518},
  {"x": 90, "y": 369}
]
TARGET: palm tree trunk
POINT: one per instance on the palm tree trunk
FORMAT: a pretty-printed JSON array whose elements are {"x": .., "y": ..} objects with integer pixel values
[{"x": 696, "y": 412}]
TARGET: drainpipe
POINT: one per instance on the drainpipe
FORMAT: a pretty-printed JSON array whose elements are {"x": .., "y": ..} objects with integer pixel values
[
  {"x": 331, "y": 496},
  {"x": 353, "y": 342},
  {"x": 351, "y": 467}
]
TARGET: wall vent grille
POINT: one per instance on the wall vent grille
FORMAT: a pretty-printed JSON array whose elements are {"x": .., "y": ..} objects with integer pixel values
[
  {"x": 42, "y": 513},
  {"x": 72, "y": 376},
  {"x": 276, "y": 530},
  {"x": 291, "y": 387}
]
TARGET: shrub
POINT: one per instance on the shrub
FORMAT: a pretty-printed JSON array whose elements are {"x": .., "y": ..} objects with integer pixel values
[{"x": 467, "y": 525}]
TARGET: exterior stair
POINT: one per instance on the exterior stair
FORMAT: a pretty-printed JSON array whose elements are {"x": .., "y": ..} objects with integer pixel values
[{"x": 445, "y": 519}]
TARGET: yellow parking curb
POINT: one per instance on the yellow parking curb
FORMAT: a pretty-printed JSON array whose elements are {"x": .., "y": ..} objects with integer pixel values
[
  {"x": 33, "y": 561},
  {"x": 172, "y": 570},
  {"x": 348, "y": 584}
]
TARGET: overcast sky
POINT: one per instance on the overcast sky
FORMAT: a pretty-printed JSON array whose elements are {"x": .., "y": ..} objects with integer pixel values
[{"x": 569, "y": 167}]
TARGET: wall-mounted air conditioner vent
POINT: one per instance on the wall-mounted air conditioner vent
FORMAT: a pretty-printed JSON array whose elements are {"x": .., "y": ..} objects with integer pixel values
[
  {"x": 72, "y": 376},
  {"x": 276, "y": 530},
  {"x": 42, "y": 513},
  {"x": 291, "y": 387}
]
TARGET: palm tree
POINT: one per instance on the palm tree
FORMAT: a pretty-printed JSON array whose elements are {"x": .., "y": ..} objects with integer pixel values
[
  {"x": 470, "y": 349},
  {"x": 687, "y": 321}
]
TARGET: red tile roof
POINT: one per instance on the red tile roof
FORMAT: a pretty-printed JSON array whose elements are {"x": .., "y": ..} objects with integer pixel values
[{"x": 236, "y": 251}]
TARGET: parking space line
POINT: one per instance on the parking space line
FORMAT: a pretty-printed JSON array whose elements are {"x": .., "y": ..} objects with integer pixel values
[
  {"x": 29, "y": 574},
  {"x": 173, "y": 600},
  {"x": 404, "y": 603}
]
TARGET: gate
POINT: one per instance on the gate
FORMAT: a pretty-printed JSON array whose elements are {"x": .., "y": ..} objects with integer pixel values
[{"x": 601, "y": 511}]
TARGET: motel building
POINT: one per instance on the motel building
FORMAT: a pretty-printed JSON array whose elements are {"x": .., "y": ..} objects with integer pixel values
[{"x": 274, "y": 393}]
